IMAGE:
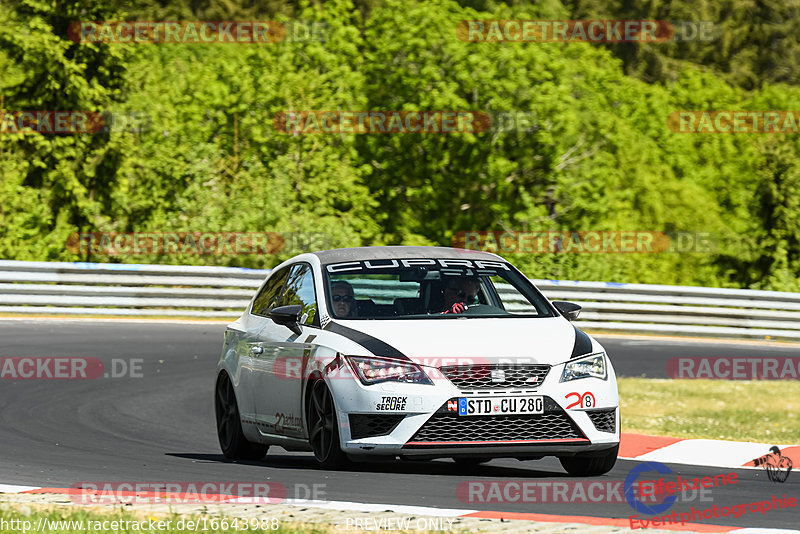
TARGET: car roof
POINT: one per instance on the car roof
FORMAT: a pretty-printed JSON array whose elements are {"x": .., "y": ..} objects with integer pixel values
[{"x": 398, "y": 252}]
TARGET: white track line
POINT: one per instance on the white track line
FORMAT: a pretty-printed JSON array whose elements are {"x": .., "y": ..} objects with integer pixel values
[
  {"x": 10, "y": 488},
  {"x": 707, "y": 452}
]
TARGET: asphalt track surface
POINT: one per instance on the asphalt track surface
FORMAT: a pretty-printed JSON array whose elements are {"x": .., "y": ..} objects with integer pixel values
[{"x": 160, "y": 427}]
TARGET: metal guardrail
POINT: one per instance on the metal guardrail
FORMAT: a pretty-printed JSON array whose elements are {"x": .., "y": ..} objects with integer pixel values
[
  {"x": 680, "y": 310},
  {"x": 48, "y": 288}
]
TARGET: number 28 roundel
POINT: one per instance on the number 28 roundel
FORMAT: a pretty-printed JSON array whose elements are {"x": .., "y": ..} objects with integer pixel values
[{"x": 584, "y": 400}]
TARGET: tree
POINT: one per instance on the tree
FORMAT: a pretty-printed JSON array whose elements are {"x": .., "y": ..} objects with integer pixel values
[{"x": 67, "y": 179}]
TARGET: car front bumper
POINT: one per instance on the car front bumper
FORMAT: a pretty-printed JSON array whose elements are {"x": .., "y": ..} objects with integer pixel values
[{"x": 415, "y": 420}]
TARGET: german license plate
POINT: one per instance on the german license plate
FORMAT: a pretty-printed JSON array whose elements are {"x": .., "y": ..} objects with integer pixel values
[{"x": 500, "y": 405}]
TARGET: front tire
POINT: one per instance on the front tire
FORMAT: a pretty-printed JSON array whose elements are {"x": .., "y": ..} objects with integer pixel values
[
  {"x": 323, "y": 428},
  {"x": 232, "y": 441},
  {"x": 590, "y": 464}
]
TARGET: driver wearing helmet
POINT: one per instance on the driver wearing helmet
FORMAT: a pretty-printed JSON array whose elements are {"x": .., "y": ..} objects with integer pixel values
[{"x": 459, "y": 293}]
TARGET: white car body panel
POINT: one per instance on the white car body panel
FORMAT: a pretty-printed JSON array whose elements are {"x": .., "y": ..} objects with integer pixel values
[
  {"x": 537, "y": 340},
  {"x": 271, "y": 399}
]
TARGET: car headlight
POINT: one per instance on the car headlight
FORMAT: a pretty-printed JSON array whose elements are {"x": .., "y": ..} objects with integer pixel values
[
  {"x": 593, "y": 365},
  {"x": 371, "y": 370}
]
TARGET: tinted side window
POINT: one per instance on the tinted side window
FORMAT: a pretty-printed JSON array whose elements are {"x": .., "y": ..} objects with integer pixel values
[
  {"x": 300, "y": 290},
  {"x": 268, "y": 297}
]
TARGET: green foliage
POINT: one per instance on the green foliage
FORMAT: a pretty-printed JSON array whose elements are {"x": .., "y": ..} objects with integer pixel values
[
  {"x": 51, "y": 184},
  {"x": 596, "y": 155},
  {"x": 752, "y": 42}
]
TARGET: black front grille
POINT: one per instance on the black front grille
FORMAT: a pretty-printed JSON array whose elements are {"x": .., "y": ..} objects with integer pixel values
[
  {"x": 604, "y": 420},
  {"x": 479, "y": 377},
  {"x": 370, "y": 425},
  {"x": 443, "y": 427}
]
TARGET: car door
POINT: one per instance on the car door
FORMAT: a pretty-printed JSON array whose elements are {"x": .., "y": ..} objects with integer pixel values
[
  {"x": 250, "y": 348},
  {"x": 278, "y": 383}
]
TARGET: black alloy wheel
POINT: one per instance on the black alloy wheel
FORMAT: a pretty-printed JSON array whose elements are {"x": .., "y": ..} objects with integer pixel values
[
  {"x": 232, "y": 441},
  {"x": 323, "y": 429}
]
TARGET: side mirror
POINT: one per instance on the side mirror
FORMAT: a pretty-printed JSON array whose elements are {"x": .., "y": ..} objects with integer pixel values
[
  {"x": 569, "y": 310},
  {"x": 288, "y": 316}
]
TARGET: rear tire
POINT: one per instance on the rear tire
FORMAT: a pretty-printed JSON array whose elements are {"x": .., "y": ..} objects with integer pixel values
[
  {"x": 590, "y": 464},
  {"x": 232, "y": 441},
  {"x": 323, "y": 428}
]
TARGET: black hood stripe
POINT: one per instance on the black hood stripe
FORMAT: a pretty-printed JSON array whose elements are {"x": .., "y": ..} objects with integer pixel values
[
  {"x": 372, "y": 344},
  {"x": 583, "y": 344}
]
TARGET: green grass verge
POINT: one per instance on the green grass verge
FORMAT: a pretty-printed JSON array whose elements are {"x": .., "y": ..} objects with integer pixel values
[
  {"x": 766, "y": 411},
  {"x": 57, "y": 521}
]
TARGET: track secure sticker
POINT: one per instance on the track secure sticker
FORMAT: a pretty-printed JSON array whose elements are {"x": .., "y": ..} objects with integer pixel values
[{"x": 392, "y": 404}]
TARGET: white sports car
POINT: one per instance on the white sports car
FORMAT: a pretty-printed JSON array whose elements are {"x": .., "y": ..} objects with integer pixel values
[{"x": 416, "y": 352}]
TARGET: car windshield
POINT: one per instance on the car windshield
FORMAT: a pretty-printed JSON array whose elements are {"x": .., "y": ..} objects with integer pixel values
[{"x": 428, "y": 288}]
